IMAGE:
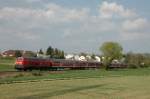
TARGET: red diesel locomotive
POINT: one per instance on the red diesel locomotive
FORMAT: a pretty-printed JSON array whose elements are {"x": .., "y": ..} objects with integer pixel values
[{"x": 23, "y": 63}]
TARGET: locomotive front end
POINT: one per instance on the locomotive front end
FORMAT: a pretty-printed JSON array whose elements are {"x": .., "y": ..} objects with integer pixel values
[{"x": 19, "y": 64}]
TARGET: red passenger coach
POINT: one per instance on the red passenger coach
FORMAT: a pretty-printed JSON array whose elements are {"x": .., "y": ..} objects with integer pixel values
[
  {"x": 32, "y": 63},
  {"x": 53, "y": 64}
]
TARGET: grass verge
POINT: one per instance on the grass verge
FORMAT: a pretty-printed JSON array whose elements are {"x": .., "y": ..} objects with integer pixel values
[
  {"x": 123, "y": 87},
  {"x": 73, "y": 74}
]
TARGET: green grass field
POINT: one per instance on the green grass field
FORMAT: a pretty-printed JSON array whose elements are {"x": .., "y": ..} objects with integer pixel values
[
  {"x": 73, "y": 74},
  {"x": 77, "y": 84},
  {"x": 124, "y": 87},
  {"x": 7, "y": 64}
]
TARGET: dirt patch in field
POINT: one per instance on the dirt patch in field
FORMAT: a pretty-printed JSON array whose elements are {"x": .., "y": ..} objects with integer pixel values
[
  {"x": 11, "y": 74},
  {"x": 56, "y": 72},
  {"x": 5, "y": 74}
]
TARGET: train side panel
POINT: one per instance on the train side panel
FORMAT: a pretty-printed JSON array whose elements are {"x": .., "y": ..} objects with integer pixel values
[
  {"x": 32, "y": 63},
  {"x": 37, "y": 63}
]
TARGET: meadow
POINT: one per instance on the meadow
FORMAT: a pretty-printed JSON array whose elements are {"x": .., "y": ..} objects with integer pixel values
[
  {"x": 75, "y": 84},
  {"x": 7, "y": 64},
  {"x": 124, "y": 87}
]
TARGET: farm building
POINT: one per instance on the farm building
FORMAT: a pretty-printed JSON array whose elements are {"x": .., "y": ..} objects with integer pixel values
[{"x": 11, "y": 53}]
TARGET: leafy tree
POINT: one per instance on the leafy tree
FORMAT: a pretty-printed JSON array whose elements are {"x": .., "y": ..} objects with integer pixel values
[
  {"x": 146, "y": 60},
  {"x": 111, "y": 50},
  {"x": 59, "y": 54},
  {"x": 93, "y": 56},
  {"x": 41, "y": 51},
  {"x": 0, "y": 54},
  {"x": 55, "y": 53},
  {"x": 50, "y": 51},
  {"x": 83, "y": 54},
  {"x": 18, "y": 53},
  {"x": 62, "y": 55},
  {"x": 135, "y": 60},
  {"x": 29, "y": 54}
]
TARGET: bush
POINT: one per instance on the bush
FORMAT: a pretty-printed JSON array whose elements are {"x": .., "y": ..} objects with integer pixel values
[
  {"x": 19, "y": 75},
  {"x": 144, "y": 65},
  {"x": 37, "y": 73},
  {"x": 133, "y": 66}
]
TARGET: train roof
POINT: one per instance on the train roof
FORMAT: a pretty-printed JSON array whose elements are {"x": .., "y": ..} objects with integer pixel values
[{"x": 60, "y": 60}]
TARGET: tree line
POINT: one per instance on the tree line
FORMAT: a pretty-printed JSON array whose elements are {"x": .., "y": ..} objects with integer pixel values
[
  {"x": 50, "y": 52},
  {"x": 109, "y": 51},
  {"x": 114, "y": 51},
  {"x": 53, "y": 53},
  {"x": 136, "y": 60}
]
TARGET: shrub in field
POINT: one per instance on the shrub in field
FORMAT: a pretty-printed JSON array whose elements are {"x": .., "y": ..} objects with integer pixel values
[
  {"x": 132, "y": 66},
  {"x": 37, "y": 73},
  {"x": 19, "y": 75},
  {"x": 137, "y": 60}
]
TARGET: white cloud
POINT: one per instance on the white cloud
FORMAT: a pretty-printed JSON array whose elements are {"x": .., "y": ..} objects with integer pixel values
[
  {"x": 135, "y": 29},
  {"x": 136, "y": 24},
  {"x": 32, "y": 1},
  {"x": 77, "y": 15},
  {"x": 52, "y": 12},
  {"x": 27, "y": 36},
  {"x": 14, "y": 13},
  {"x": 65, "y": 14},
  {"x": 108, "y": 10},
  {"x": 72, "y": 26},
  {"x": 67, "y": 33},
  {"x": 131, "y": 36}
]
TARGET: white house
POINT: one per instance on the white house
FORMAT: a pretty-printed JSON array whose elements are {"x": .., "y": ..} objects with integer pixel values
[
  {"x": 98, "y": 59},
  {"x": 76, "y": 57},
  {"x": 69, "y": 56},
  {"x": 88, "y": 57},
  {"x": 82, "y": 58}
]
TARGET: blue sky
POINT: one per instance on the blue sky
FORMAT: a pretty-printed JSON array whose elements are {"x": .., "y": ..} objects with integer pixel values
[{"x": 74, "y": 25}]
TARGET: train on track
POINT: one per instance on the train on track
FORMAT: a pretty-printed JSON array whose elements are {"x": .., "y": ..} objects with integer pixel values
[{"x": 23, "y": 63}]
